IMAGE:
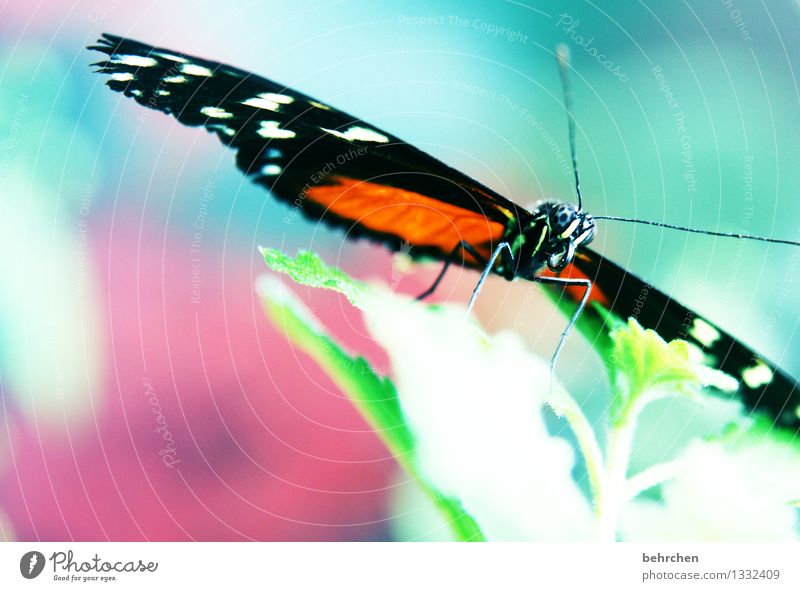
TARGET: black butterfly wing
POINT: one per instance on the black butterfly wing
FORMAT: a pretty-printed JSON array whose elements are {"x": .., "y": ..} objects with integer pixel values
[
  {"x": 326, "y": 164},
  {"x": 762, "y": 386}
]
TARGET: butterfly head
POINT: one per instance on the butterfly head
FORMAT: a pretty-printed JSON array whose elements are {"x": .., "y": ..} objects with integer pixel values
[{"x": 567, "y": 228}]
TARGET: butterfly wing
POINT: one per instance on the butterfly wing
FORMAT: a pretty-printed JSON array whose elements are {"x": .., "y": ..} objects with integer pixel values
[
  {"x": 331, "y": 166},
  {"x": 326, "y": 164},
  {"x": 762, "y": 386}
]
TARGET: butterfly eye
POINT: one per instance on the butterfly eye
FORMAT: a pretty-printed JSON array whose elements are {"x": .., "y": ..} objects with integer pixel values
[{"x": 562, "y": 218}]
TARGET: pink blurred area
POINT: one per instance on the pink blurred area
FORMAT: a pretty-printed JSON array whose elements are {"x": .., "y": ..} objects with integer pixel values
[
  {"x": 206, "y": 424},
  {"x": 262, "y": 445}
]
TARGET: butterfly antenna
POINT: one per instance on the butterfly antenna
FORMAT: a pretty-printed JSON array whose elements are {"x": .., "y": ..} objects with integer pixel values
[
  {"x": 562, "y": 53},
  {"x": 696, "y": 231}
]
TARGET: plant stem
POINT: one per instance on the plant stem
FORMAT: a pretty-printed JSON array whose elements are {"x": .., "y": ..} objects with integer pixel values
[
  {"x": 650, "y": 477},
  {"x": 613, "y": 494},
  {"x": 586, "y": 438},
  {"x": 612, "y": 497},
  {"x": 610, "y": 487}
]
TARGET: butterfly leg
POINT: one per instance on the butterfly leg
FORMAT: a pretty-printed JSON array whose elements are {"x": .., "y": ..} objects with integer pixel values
[
  {"x": 448, "y": 261},
  {"x": 587, "y": 285},
  {"x": 504, "y": 249}
]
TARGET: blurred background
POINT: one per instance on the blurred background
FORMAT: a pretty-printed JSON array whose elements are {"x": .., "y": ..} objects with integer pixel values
[{"x": 145, "y": 397}]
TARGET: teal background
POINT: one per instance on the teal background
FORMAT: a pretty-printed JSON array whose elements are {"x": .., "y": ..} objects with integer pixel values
[{"x": 87, "y": 176}]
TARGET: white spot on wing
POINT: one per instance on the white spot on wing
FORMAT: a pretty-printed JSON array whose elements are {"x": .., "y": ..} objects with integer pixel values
[
  {"x": 268, "y": 100},
  {"x": 161, "y": 92},
  {"x": 122, "y": 76},
  {"x": 273, "y": 153},
  {"x": 719, "y": 380},
  {"x": 137, "y": 61},
  {"x": 709, "y": 376},
  {"x": 270, "y": 129},
  {"x": 758, "y": 375},
  {"x": 174, "y": 79},
  {"x": 216, "y": 113},
  {"x": 362, "y": 134},
  {"x": 195, "y": 70},
  {"x": 319, "y": 105},
  {"x": 277, "y": 98},
  {"x": 262, "y": 103},
  {"x": 271, "y": 169},
  {"x": 170, "y": 57},
  {"x": 136, "y": 92},
  {"x": 705, "y": 334},
  {"x": 222, "y": 128}
]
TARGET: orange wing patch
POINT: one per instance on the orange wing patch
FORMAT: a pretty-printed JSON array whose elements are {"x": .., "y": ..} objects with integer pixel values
[{"x": 420, "y": 220}]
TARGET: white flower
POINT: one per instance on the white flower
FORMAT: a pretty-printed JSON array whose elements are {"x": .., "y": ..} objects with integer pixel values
[
  {"x": 731, "y": 490},
  {"x": 475, "y": 405}
]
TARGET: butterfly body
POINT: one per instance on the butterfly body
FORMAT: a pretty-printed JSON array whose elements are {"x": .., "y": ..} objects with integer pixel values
[
  {"x": 333, "y": 167},
  {"x": 554, "y": 233}
]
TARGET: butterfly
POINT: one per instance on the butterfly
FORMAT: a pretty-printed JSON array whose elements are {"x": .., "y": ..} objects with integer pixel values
[{"x": 334, "y": 167}]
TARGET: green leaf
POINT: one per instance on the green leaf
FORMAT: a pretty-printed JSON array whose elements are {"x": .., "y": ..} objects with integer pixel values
[
  {"x": 374, "y": 396},
  {"x": 308, "y": 269},
  {"x": 645, "y": 367}
]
